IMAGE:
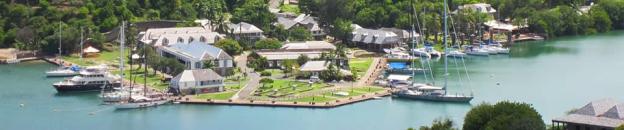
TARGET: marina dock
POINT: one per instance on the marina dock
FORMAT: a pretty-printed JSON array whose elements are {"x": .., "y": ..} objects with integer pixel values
[{"x": 329, "y": 104}]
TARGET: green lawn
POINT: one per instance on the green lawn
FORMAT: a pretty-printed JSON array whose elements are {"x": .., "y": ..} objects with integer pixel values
[
  {"x": 360, "y": 65},
  {"x": 153, "y": 80},
  {"x": 285, "y": 87},
  {"x": 217, "y": 96},
  {"x": 275, "y": 72},
  {"x": 368, "y": 89},
  {"x": 104, "y": 57},
  {"x": 290, "y": 8},
  {"x": 331, "y": 96}
]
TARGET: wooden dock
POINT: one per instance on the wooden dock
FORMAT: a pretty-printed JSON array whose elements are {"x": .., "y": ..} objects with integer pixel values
[{"x": 329, "y": 104}]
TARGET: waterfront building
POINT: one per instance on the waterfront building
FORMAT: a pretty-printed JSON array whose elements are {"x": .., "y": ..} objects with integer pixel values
[
  {"x": 314, "y": 68},
  {"x": 604, "y": 114},
  {"x": 194, "y": 54},
  {"x": 246, "y": 31},
  {"x": 302, "y": 20},
  {"x": 167, "y": 36},
  {"x": 196, "y": 82},
  {"x": 374, "y": 39},
  {"x": 292, "y": 51}
]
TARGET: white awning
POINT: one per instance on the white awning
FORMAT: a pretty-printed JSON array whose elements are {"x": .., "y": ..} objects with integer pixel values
[{"x": 90, "y": 49}]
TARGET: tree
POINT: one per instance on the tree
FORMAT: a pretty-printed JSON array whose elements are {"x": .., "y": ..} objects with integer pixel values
[
  {"x": 255, "y": 12},
  {"x": 602, "y": 22},
  {"x": 266, "y": 81},
  {"x": 621, "y": 127},
  {"x": 214, "y": 10},
  {"x": 439, "y": 124},
  {"x": 503, "y": 115},
  {"x": 302, "y": 59},
  {"x": 208, "y": 64},
  {"x": 342, "y": 30},
  {"x": 299, "y": 33},
  {"x": 230, "y": 46},
  {"x": 308, "y": 6},
  {"x": 615, "y": 9},
  {"x": 268, "y": 43},
  {"x": 290, "y": 66}
]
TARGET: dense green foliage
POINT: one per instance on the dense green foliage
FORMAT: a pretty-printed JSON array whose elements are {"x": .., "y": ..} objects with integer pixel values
[
  {"x": 439, "y": 124},
  {"x": 269, "y": 43},
  {"x": 257, "y": 62},
  {"x": 503, "y": 116},
  {"x": 230, "y": 46}
]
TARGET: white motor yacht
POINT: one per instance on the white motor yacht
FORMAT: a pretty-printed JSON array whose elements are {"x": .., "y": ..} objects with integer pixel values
[{"x": 456, "y": 54}]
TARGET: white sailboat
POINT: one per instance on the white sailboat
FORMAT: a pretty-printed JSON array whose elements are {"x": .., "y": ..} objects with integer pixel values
[
  {"x": 433, "y": 93},
  {"x": 61, "y": 71},
  {"x": 138, "y": 100}
]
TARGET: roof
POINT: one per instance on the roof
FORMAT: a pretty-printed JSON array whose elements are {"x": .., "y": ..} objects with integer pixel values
[
  {"x": 244, "y": 27},
  {"x": 91, "y": 49},
  {"x": 315, "y": 66},
  {"x": 604, "y": 112},
  {"x": 197, "y": 50},
  {"x": 373, "y": 36},
  {"x": 303, "y": 19},
  {"x": 197, "y": 75},
  {"x": 289, "y": 55},
  {"x": 158, "y": 35},
  {"x": 494, "y": 24},
  {"x": 169, "y": 39},
  {"x": 399, "y": 77},
  {"x": 309, "y": 45}
]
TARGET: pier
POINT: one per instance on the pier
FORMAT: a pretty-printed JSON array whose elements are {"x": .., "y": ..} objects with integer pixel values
[{"x": 329, "y": 104}]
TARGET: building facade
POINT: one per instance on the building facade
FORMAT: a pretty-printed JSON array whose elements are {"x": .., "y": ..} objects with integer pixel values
[
  {"x": 193, "y": 55},
  {"x": 196, "y": 82}
]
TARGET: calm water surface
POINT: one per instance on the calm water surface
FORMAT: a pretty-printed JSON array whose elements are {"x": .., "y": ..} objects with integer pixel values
[{"x": 555, "y": 76}]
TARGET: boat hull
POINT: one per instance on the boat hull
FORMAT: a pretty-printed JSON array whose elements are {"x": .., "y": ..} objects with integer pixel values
[
  {"x": 140, "y": 104},
  {"x": 445, "y": 98},
  {"x": 80, "y": 88}
]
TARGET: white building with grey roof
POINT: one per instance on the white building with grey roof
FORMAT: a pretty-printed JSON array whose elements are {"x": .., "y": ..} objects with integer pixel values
[
  {"x": 604, "y": 114},
  {"x": 196, "y": 82},
  {"x": 374, "y": 39},
  {"x": 293, "y": 50},
  {"x": 167, "y": 36},
  {"x": 245, "y": 30},
  {"x": 302, "y": 20},
  {"x": 193, "y": 55}
]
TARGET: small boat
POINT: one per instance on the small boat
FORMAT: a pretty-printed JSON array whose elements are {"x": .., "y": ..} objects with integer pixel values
[
  {"x": 431, "y": 93},
  {"x": 420, "y": 52},
  {"x": 118, "y": 95},
  {"x": 476, "y": 51},
  {"x": 456, "y": 54},
  {"x": 377, "y": 98},
  {"x": 64, "y": 72}
]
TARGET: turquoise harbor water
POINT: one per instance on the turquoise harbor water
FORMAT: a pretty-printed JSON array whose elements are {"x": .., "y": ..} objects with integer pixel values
[{"x": 555, "y": 76}]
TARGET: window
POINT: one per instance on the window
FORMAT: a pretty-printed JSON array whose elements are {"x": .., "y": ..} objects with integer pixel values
[
  {"x": 191, "y": 39},
  {"x": 165, "y": 42},
  {"x": 202, "y": 39},
  {"x": 180, "y": 40}
]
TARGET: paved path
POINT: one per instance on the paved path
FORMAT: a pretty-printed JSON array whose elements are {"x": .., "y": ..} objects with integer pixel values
[{"x": 254, "y": 78}]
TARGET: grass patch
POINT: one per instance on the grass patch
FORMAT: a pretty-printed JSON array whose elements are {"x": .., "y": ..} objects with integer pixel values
[
  {"x": 281, "y": 88},
  {"x": 217, "y": 96},
  {"x": 290, "y": 8},
  {"x": 360, "y": 65},
  {"x": 153, "y": 80},
  {"x": 105, "y": 57}
]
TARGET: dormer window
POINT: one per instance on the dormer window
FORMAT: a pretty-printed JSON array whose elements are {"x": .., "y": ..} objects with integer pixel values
[
  {"x": 202, "y": 39},
  {"x": 165, "y": 42},
  {"x": 191, "y": 39},
  {"x": 180, "y": 40}
]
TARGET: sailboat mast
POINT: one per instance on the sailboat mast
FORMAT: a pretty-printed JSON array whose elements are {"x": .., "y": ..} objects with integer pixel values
[
  {"x": 121, "y": 51},
  {"x": 60, "y": 38},
  {"x": 81, "y": 42},
  {"x": 446, "y": 74}
]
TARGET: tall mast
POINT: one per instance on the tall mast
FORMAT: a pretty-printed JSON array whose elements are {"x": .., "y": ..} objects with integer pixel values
[
  {"x": 121, "y": 51},
  {"x": 81, "y": 42},
  {"x": 60, "y": 37},
  {"x": 446, "y": 74}
]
